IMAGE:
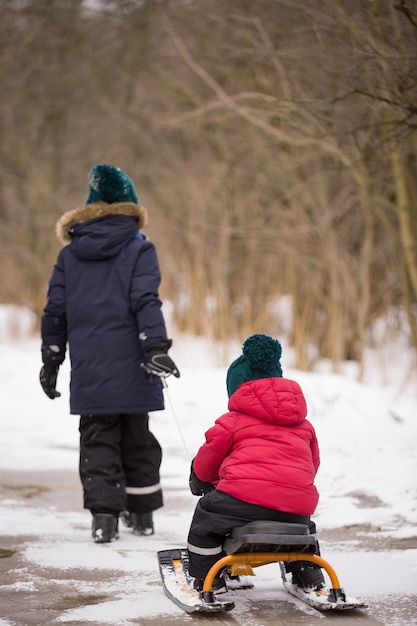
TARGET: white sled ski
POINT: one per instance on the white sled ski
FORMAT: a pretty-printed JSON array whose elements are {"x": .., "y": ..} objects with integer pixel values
[
  {"x": 322, "y": 601},
  {"x": 173, "y": 566}
]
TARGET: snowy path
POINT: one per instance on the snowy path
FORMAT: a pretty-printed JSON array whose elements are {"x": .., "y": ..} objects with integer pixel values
[
  {"x": 52, "y": 573},
  {"x": 57, "y": 575}
]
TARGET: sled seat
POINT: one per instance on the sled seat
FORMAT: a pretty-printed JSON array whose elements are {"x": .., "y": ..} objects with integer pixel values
[
  {"x": 269, "y": 536},
  {"x": 264, "y": 542}
]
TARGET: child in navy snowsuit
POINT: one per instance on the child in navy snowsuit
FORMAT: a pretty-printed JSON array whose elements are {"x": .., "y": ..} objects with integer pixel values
[
  {"x": 103, "y": 302},
  {"x": 258, "y": 462}
]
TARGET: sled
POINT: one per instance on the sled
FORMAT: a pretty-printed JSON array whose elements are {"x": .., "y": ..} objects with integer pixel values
[{"x": 248, "y": 547}]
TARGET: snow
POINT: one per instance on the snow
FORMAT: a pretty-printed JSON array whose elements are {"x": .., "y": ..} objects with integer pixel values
[{"x": 367, "y": 433}]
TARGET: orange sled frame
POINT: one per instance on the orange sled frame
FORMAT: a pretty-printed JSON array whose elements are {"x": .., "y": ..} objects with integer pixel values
[{"x": 261, "y": 543}]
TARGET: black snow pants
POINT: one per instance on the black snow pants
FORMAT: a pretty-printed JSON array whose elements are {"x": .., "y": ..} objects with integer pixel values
[
  {"x": 119, "y": 464},
  {"x": 215, "y": 515}
]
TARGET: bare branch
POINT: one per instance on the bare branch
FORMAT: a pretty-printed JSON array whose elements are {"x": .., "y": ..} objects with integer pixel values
[
  {"x": 386, "y": 100},
  {"x": 294, "y": 140},
  {"x": 215, "y": 105},
  {"x": 403, "y": 8},
  {"x": 275, "y": 60}
]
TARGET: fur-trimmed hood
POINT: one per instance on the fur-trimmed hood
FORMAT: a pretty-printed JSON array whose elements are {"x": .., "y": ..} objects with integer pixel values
[{"x": 97, "y": 211}]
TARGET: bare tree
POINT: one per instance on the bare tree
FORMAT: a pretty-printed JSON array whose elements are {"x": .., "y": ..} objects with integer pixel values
[{"x": 273, "y": 144}]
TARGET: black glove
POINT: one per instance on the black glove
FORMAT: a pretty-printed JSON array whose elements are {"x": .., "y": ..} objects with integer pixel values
[
  {"x": 48, "y": 376},
  {"x": 197, "y": 486},
  {"x": 158, "y": 363}
]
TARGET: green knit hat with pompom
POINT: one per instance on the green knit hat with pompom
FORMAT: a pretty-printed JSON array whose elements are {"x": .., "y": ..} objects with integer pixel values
[
  {"x": 108, "y": 183},
  {"x": 260, "y": 359}
]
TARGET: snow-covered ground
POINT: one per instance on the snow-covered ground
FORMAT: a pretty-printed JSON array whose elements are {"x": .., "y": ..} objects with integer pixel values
[{"x": 368, "y": 476}]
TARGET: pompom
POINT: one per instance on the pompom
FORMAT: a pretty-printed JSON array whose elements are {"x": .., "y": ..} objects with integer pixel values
[
  {"x": 262, "y": 352},
  {"x": 260, "y": 359}
]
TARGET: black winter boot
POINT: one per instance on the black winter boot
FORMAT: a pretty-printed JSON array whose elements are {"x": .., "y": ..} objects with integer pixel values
[
  {"x": 307, "y": 575},
  {"x": 219, "y": 585},
  {"x": 140, "y": 523},
  {"x": 105, "y": 527}
]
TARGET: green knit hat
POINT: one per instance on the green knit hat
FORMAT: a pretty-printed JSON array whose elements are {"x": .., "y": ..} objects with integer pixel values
[
  {"x": 260, "y": 359},
  {"x": 107, "y": 183}
]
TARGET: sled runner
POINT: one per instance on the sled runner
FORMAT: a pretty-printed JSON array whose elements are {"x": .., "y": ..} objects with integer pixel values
[
  {"x": 247, "y": 547},
  {"x": 173, "y": 565}
]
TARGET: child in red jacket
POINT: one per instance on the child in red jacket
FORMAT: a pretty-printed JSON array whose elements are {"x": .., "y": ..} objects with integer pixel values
[{"x": 258, "y": 462}]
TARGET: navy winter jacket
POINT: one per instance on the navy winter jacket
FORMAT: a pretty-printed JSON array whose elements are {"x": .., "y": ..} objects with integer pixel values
[{"x": 103, "y": 301}]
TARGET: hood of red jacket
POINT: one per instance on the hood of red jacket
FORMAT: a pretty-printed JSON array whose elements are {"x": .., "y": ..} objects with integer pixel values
[{"x": 277, "y": 400}]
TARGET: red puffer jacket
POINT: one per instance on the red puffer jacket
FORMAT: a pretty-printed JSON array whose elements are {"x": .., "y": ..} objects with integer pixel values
[{"x": 264, "y": 451}]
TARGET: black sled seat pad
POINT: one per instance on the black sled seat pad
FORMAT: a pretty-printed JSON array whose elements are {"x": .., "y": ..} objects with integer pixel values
[{"x": 270, "y": 536}]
